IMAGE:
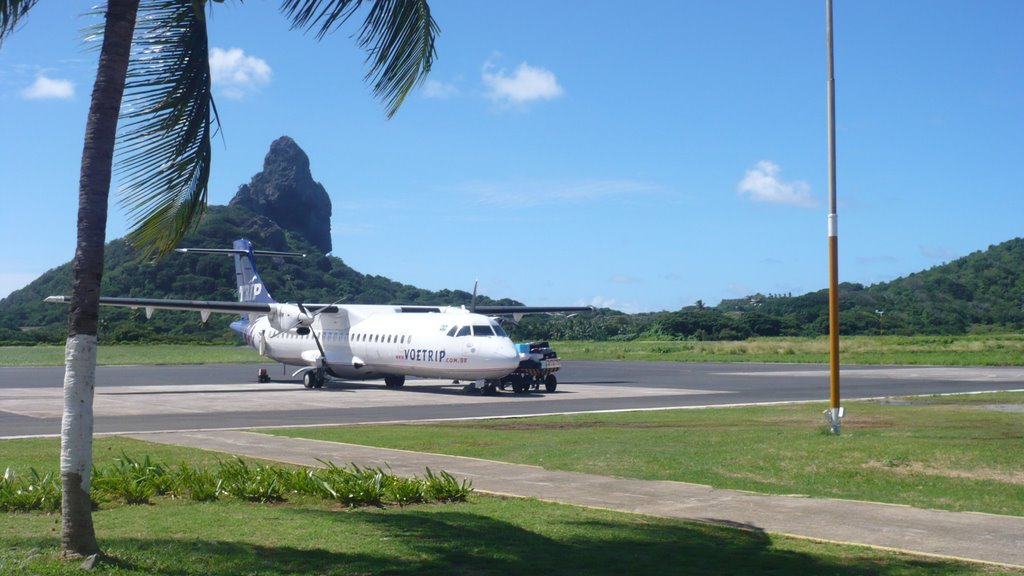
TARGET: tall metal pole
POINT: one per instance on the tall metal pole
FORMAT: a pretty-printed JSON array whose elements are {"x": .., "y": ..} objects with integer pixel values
[{"x": 835, "y": 412}]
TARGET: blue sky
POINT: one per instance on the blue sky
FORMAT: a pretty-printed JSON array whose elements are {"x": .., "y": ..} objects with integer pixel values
[{"x": 640, "y": 156}]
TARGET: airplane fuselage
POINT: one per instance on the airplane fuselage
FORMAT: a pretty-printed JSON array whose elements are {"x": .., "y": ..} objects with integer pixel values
[
  {"x": 367, "y": 342},
  {"x": 356, "y": 341}
]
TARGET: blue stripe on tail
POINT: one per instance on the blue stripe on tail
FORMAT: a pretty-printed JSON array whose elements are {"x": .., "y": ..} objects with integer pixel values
[{"x": 250, "y": 285}]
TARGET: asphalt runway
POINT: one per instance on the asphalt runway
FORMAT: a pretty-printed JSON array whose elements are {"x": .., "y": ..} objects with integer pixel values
[{"x": 131, "y": 399}]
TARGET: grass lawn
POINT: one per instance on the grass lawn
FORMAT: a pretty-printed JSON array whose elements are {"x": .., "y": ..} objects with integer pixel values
[
  {"x": 961, "y": 453},
  {"x": 968, "y": 350},
  {"x": 487, "y": 535},
  {"x": 120, "y": 355}
]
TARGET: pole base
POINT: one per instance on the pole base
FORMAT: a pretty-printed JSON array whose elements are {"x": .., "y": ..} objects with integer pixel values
[{"x": 833, "y": 418}]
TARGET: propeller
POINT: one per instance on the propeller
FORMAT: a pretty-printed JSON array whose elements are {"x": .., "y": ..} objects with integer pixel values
[
  {"x": 472, "y": 303},
  {"x": 323, "y": 354},
  {"x": 313, "y": 316}
]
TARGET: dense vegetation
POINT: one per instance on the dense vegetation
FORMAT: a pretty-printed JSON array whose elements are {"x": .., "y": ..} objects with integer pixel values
[
  {"x": 138, "y": 481},
  {"x": 26, "y": 319},
  {"x": 982, "y": 291}
]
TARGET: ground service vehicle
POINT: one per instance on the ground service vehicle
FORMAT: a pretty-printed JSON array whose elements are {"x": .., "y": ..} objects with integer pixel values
[{"x": 538, "y": 368}]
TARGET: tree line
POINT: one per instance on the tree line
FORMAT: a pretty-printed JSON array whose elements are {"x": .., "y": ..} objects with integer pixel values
[{"x": 984, "y": 290}]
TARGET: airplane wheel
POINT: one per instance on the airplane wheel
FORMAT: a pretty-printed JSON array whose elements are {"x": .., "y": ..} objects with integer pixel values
[
  {"x": 550, "y": 383},
  {"x": 520, "y": 387},
  {"x": 263, "y": 377},
  {"x": 318, "y": 382},
  {"x": 309, "y": 379},
  {"x": 394, "y": 381}
]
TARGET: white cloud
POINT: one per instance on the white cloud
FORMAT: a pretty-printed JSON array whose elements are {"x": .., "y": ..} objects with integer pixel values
[
  {"x": 235, "y": 73},
  {"x": 439, "y": 90},
  {"x": 763, "y": 184},
  {"x": 624, "y": 279},
  {"x": 937, "y": 253},
  {"x": 526, "y": 84},
  {"x": 599, "y": 302},
  {"x": 49, "y": 89}
]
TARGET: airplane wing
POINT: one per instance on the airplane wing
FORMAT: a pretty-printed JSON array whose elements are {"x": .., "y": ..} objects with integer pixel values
[
  {"x": 227, "y": 307},
  {"x": 161, "y": 304},
  {"x": 207, "y": 307},
  {"x": 504, "y": 310},
  {"x": 494, "y": 310},
  {"x": 265, "y": 308}
]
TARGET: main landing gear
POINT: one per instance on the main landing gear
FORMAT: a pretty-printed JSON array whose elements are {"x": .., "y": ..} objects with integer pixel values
[
  {"x": 394, "y": 381},
  {"x": 313, "y": 378}
]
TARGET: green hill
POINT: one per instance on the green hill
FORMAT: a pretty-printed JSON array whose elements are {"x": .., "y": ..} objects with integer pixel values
[
  {"x": 982, "y": 291},
  {"x": 25, "y": 318}
]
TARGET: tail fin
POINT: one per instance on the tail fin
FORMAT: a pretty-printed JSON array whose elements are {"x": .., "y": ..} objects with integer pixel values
[{"x": 250, "y": 286}]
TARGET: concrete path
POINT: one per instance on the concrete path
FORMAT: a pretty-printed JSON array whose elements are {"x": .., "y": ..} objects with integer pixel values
[{"x": 969, "y": 536}]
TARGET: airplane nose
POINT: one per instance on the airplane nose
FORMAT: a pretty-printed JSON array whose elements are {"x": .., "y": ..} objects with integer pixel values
[{"x": 506, "y": 350}]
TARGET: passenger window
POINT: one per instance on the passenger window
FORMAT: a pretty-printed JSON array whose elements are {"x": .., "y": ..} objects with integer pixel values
[
  {"x": 464, "y": 331},
  {"x": 483, "y": 331}
]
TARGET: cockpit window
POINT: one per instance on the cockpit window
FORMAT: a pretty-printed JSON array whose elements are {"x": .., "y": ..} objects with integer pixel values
[
  {"x": 464, "y": 331},
  {"x": 499, "y": 330},
  {"x": 453, "y": 330},
  {"x": 483, "y": 331}
]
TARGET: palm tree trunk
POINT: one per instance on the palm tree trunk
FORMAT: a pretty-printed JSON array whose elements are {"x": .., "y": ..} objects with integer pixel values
[{"x": 78, "y": 538}]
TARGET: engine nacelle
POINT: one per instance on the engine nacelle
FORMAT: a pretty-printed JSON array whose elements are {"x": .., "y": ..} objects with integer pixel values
[{"x": 285, "y": 317}]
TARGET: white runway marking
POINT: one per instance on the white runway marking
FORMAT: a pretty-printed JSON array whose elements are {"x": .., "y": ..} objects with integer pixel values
[{"x": 214, "y": 398}]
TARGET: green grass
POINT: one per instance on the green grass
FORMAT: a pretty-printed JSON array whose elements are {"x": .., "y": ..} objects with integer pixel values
[
  {"x": 952, "y": 453},
  {"x": 969, "y": 350},
  {"x": 487, "y": 535},
  {"x": 121, "y": 355}
]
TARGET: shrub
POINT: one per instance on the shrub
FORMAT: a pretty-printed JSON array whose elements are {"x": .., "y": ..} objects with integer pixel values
[
  {"x": 33, "y": 493},
  {"x": 443, "y": 487},
  {"x": 356, "y": 486},
  {"x": 257, "y": 483}
]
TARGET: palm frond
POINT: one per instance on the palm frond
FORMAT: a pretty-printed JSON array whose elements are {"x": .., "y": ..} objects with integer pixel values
[
  {"x": 167, "y": 118},
  {"x": 398, "y": 35},
  {"x": 11, "y": 13}
]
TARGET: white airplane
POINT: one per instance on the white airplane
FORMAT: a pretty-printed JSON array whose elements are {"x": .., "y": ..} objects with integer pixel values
[{"x": 358, "y": 341}]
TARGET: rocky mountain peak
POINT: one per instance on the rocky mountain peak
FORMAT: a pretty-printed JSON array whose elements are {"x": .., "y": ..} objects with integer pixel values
[{"x": 286, "y": 193}]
